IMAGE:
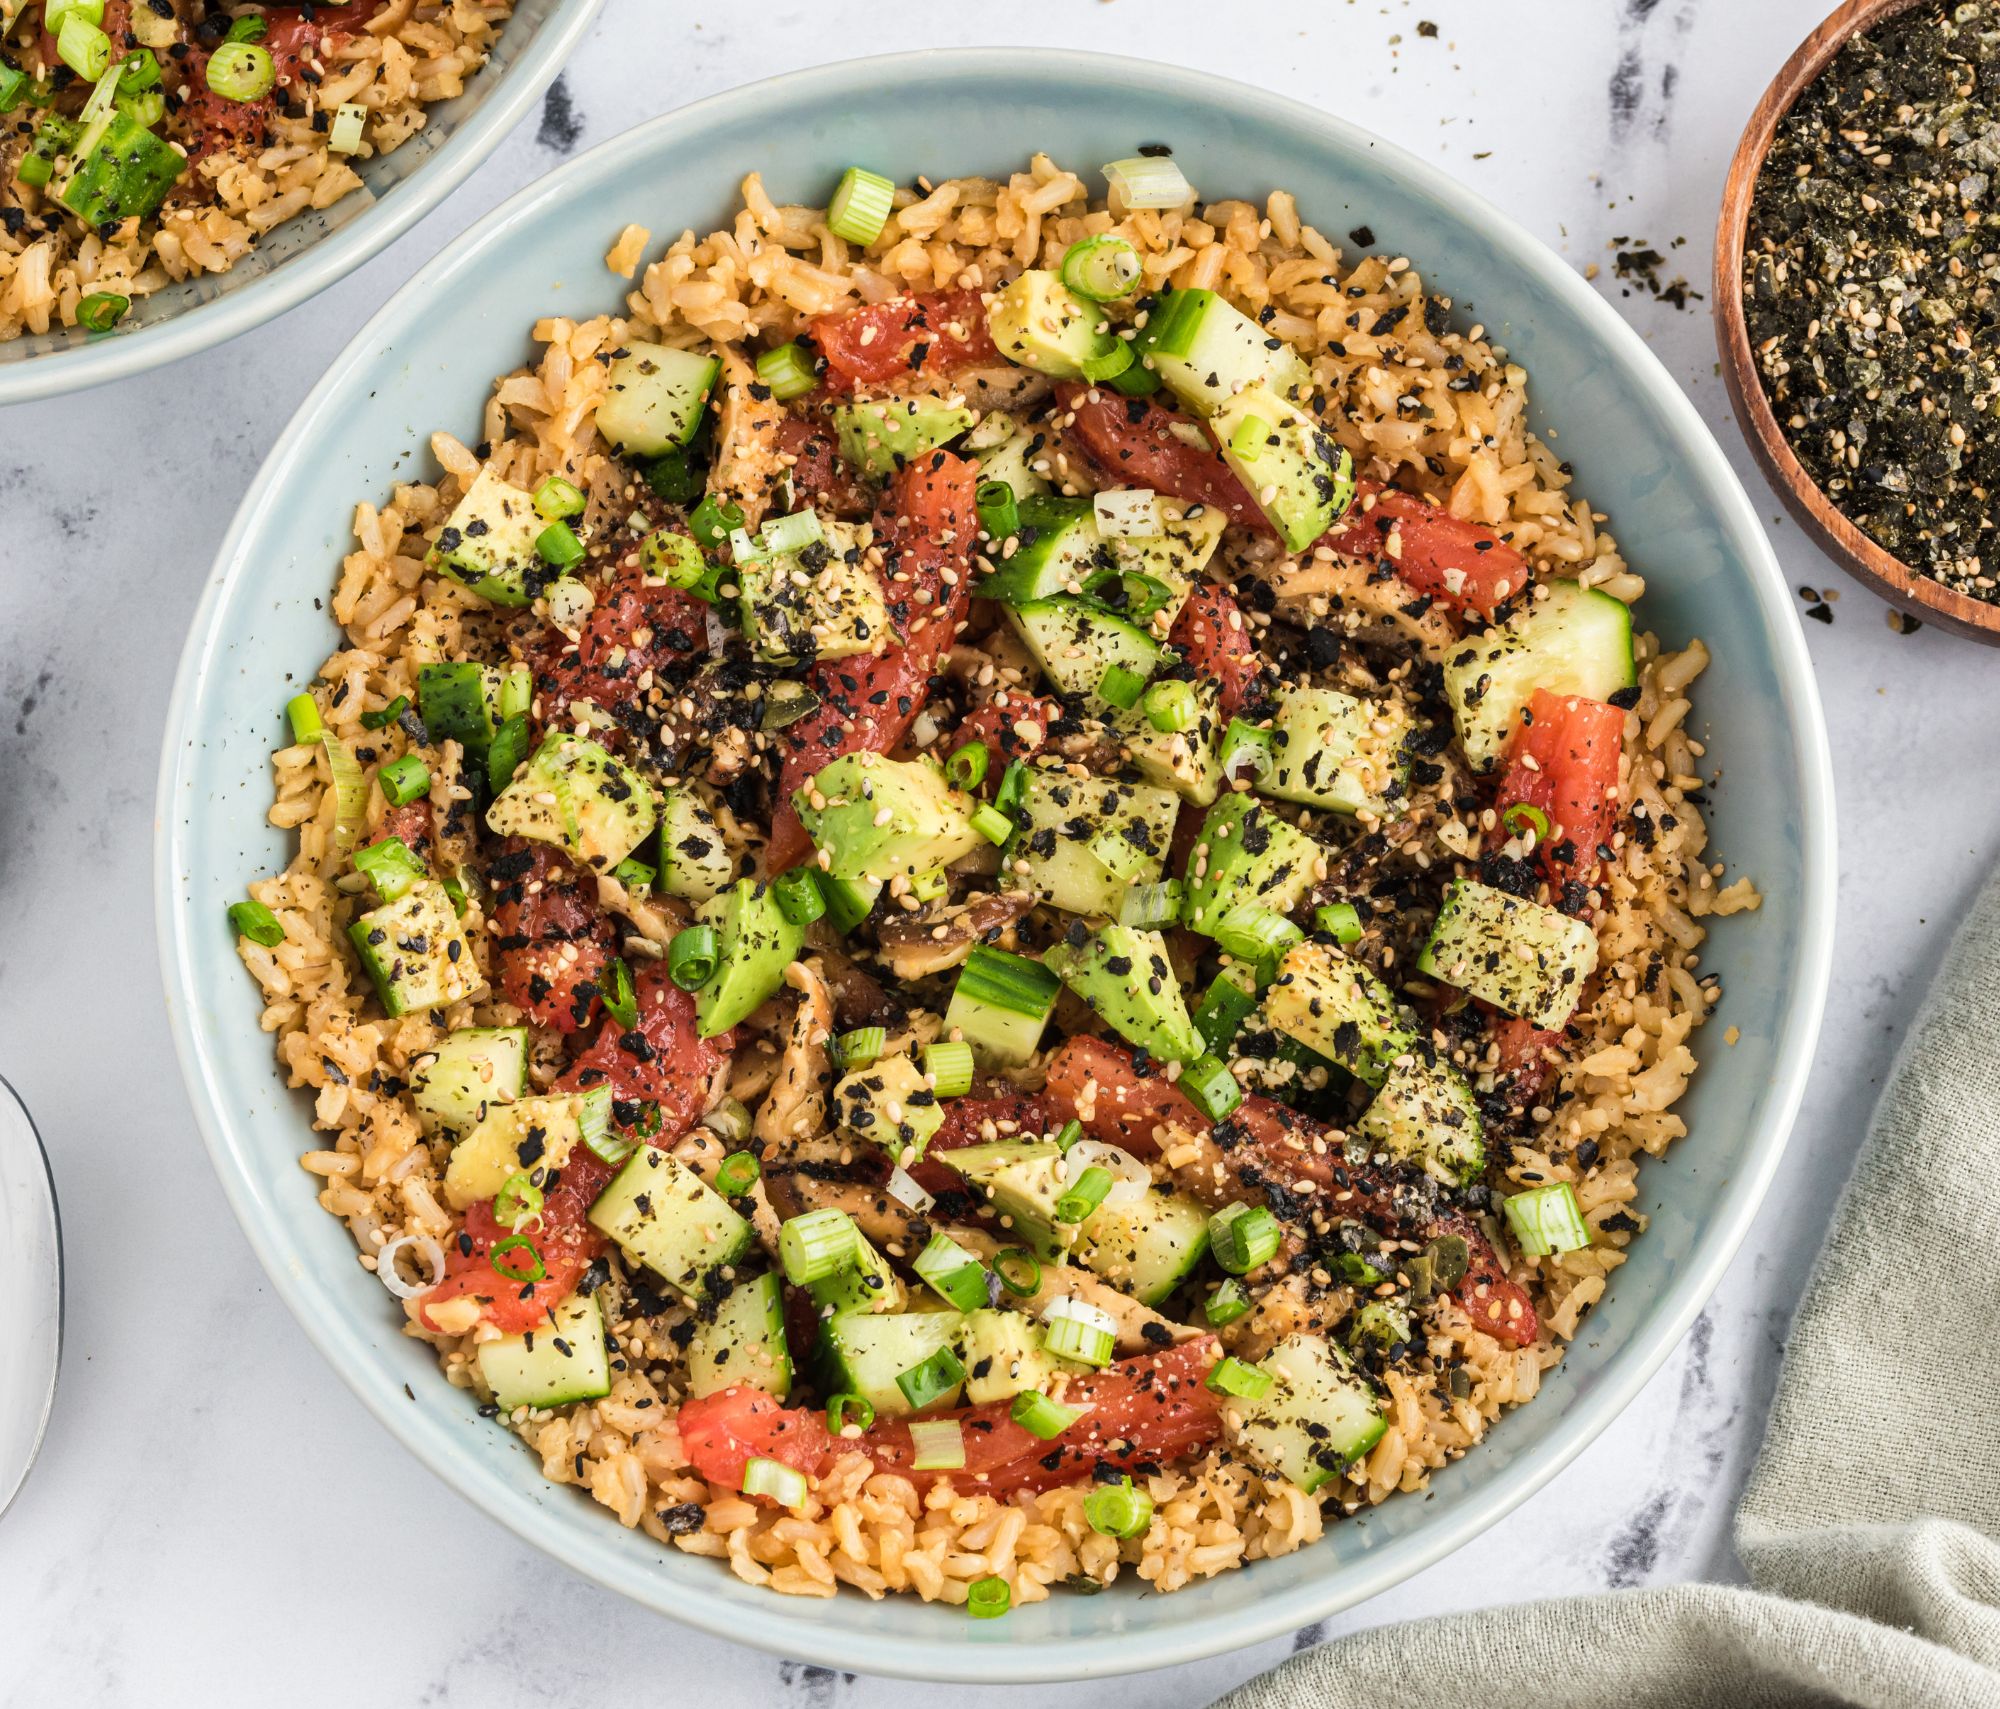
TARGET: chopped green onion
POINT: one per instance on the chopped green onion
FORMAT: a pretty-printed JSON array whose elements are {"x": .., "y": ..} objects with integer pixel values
[
  {"x": 1232, "y": 1377},
  {"x": 1118, "y": 1510},
  {"x": 1523, "y": 817},
  {"x": 1252, "y": 435},
  {"x": 1121, "y": 687},
  {"x": 53, "y": 14},
  {"x": 846, "y": 1407},
  {"x": 999, "y": 510},
  {"x": 667, "y": 553},
  {"x": 531, "y": 1270},
  {"x": 860, "y": 206},
  {"x": 145, "y": 110},
  {"x": 391, "y": 868},
  {"x": 83, "y": 47},
  {"x": 349, "y": 129},
  {"x": 1341, "y": 920},
  {"x": 508, "y": 752},
  {"x": 16, "y": 86},
  {"x": 138, "y": 71},
  {"x": 1102, "y": 269},
  {"x": 861, "y": 1047},
  {"x": 711, "y": 521},
  {"x": 1149, "y": 181},
  {"x": 248, "y": 28},
  {"x": 788, "y": 371},
  {"x": 1137, "y": 381},
  {"x": 1220, "y": 1015},
  {"x": 1245, "y": 746},
  {"x": 620, "y": 1002},
  {"x": 966, "y": 769},
  {"x": 786, "y": 703},
  {"x": 816, "y": 1246},
  {"x": 932, "y": 886},
  {"x": 692, "y": 957},
  {"x": 1068, "y": 1134},
  {"x": 1257, "y": 935},
  {"x": 303, "y": 711},
  {"x": 927, "y": 1383},
  {"x": 798, "y": 897},
  {"x": 1171, "y": 706},
  {"x": 53, "y": 137},
  {"x": 953, "y": 1273},
  {"x": 1210, "y": 1087},
  {"x": 241, "y": 71},
  {"x": 673, "y": 478},
  {"x": 1040, "y": 1416},
  {"x": 518, "y": 1200},
  {"x": 737, "y": 1175},
  {"x": 1013, "y": 785},
  {"x": 1151, "y": 907},
  {"x": 988, "y": 1598},
  {"x": 557, "y": 498},
  {"x": 1547, "y": 1219},
  {"x": 729, "y": 1121},
  {"x": 1116, "y": 358},
  {"x": 949, "y": 1065},
  {"x": 1226, "y": 1304},
  {"x": 257, "y": 923},
  {"x": 1019, "y": 1270},
  {"x": 776, "y": 1481},
  {"x": 1084, "y": 1195},
  {"x": 455, "y": 894},
  {"x": 593, "y": 1127},
  {"x": 635, "y": 875},
  {"x": 350, "y": 791},
  {"x": 1075, "y": 1329},
  {"x": 517, "y": 692},
  {"x": 404, "y": 780},
  {"x": 559, "y": 546},
  {"x": 787, "y": 534},
  {"x": 1244, "y": 1236},
  {"x": 991, "y": 823},
  {"x": 383, "y": 716}
]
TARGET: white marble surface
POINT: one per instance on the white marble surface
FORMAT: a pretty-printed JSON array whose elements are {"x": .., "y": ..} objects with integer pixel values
[{"x": 215, "y": 1519}]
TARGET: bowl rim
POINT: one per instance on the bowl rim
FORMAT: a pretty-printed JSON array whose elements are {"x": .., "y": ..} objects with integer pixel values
[
  {"x": 850, "y": 1644},
  {"x": 329, "y": 260},
  {"x": 1873, "y": 565}
]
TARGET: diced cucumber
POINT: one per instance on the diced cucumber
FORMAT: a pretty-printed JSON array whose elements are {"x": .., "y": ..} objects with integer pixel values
[
  {"x": 470, "y": 1070},
  {"x": 1316, "y": 1419},
  {"x": 865, "y": 1352},
  {"x": 1125, "y": 977},
  {"x": 878, "y": 437},
  {"x": 1206, "y": 351},
  {"x": 531, "y": 1133},
  {"x": 1301, "y": 478},
  {"x": 1248, "y": 857},
  {"x": 1058, "y": 550},
  {"x": 1331, "y": 750},
  {"x": 460, "y": 702},
  {"x": 1333, "y": 1005},
  {"x": 755, "y": 942},
  {"x": 1038, "y": 322},
  {"x": 694, "y": 860},
  {"x": 1569, "y": 640},
  {"x": 1000, "y": 1005},
  {"x": 654, "y": 398},
  {"x": 488, "y": 543},
  {"x": 874, "y": 818},
  {"x": 1020, "y": 1178},
  {"x": 1075, "y": 643},
  {"x": 1003, "y": 1356},
  {"x": 415, "y": 952},
  {"x": 890, "y": 1104},
  {"x": 1006, "y": 449},
  {"x": 868, "y": 1284},
  {"x": 1175, "y": 555},
  {"x": 820, "y": 602},
  {"x": 578, "y": 796},
  {"x": 669, "y": 1219},
  {"x": 1085, "y": 841},
  {"x": 565, "y": 1360},
  {"x": 743, "y": 1343},
  {"x": 1426, "y": 1114},
  {"x": 1185, "y": 761},
  {"x": 1148, "y": 1247},
  {"x": 1518, "y": 955}
]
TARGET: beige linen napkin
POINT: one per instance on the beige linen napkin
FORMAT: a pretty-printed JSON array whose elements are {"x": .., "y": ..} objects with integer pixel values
[{"x": 1871, "y": 1525}]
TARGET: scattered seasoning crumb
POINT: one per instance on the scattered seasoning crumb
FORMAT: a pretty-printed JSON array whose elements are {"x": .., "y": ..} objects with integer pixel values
[
  {"x": 1638, "y": 264},
  {"x": 1903, "y": 623},
  {"x": 1426, "y": 28}
]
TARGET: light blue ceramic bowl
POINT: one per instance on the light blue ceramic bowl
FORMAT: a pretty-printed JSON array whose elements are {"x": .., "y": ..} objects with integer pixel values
[
  {"x": 426, "y": 362},
  {"x": 305, "y": 255}
]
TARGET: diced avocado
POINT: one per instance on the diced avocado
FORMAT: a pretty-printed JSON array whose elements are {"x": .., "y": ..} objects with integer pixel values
[
  {"x": 669, "y": 1219},
  {"x": 694, "y": 860},
  {"x": 1335, "y": 1006},
  {"x": 1058, "y": 549},
  {"x": 820, "y": 602},
  {"x": 1075, "y": 643},
  {"x": 1177, "y": 554},
  {"x": 868, "y": 1284},
  {"x": 488, "y": 543},
  {"x": 1125, "y": 977},
  {"x": 654, "y": 398},
  {"x": 755, "y": 943},
  {"x": 864, "y": 1353},
  {"x": 415, "y": 952},
  {"x": 875, "y": 818},
  {"x": 1021, "y": 1178},
  {"x": 471, "y": 1069},
  {"x": 1426, "y": 1114},
  {"x": 1040, "y": 323},
  {"x": 530, "y": 1133},
  {"x": 1568, "y": 640},
  {"x": 1518, "y": 955},
  {"x": 1186, "y": 761},
  {"x": 578, "y": 796},
  {"x": 1085, "y": 841},
  {"x": 1146, "y": 1248},
  {"x": 1317, "y": 1418},
  {"x": 1063, "y": 552},
  {"x": 1003, "y": 1356},
  {"x": 889, "y": 1103},
  {"x": 1006, "y": 449},
  {"x": 565, "y": 1360},
  {"x": 1248, "y": 857},
  {"x": 1331, "y": 750},
  {"x": 1206, "y": 351},
  {"x": 1300, "y": 477},
  {"x": 879, "y": 437},
  {"x": 849, "y": 901},
  {"x": 123, "y": 173},
  {"x": 744, "y": 1342},
  {"x": 1000, "y": 1005},
  {"x": 460, "y": 702}
]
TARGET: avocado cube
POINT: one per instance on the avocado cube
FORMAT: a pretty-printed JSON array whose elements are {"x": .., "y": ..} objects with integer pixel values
[
  {"x": 1085, "y": 841},
  {"x": 415, "y": 952},
  {"x": 891, "y": 1104},
  {"x": 1331, "y": 1004},
  {"x": 488, "y": 543},
  {"x": 669, "y": 1219},
  {"x": 534, "y": 1133},
  {"x": 1301, "y": 479},
  {"x": 1187, "y": 761},
  {"x": 820, "y": 602},
  {"x": 1248, "y": 857},
  {"x": 755, "y": 943},
  {"x": 1022, "y": 1179},
  {"x": 580, "y": 797},
  {"x": 1426, "y": 1114},
  {"x": 1003, "y": 1356},
  {"x": 874, "y": 818},
  {"x": 1040, "y": 323},
  {"x": 1125, "y": 977},
  {"x": 880, "y": 437}
]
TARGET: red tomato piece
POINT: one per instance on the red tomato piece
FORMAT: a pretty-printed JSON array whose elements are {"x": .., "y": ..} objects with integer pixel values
[
  {"x": 723, "y": 1432},
  {"x": 117, "y": 21},
  {"x": 1013, "y": 725},
  {"x": 1523, "y": 1063},
  {"x": 928, "y": 333},
  {"x": 634, "y": 629},
  {"x": 298, "y": 33},
  {"x": 411, "y": 824},
  {"x": 1460, "y": 564},
  {"x": 1211, "y": 633},
  {"x": 927, "y": 523},
  {"x": 662, "y": 1062},
  {"x": 1094, "y": 1081},
  {"x": 1564, "y": 762},
  {"x": 1136, "y": 441},
  {"x": 551, "y": 939},
  {"x": 820, "y": 475},
  {"x": 563, "y": 1239}
]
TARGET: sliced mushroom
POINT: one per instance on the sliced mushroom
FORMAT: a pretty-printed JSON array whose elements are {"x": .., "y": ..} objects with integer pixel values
[
  {"x": 1367, "y": 608},
  {"x": 934, "y": 939},
  {"x": 795, "y": 1107},
  {"x": 749, "y": 464},
  {"x": 1139, "y": 1328}
]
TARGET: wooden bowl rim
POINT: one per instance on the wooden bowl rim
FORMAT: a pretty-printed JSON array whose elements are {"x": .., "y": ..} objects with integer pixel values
[{"x": 1853, "y": 550}]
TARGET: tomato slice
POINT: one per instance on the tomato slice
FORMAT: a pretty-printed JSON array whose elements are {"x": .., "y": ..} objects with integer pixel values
[
  {"x": 1211, "y": 633},
  {"x": 927, "y": 523},
  {"x": 635, "y": 635},
  {"x": 551, "y": 939},
  {"x": 563, "y": 1239},
  {"x": 411, "y": 825},
  {"x": 1095, "y": 1082},
  {"x": 820, "y": 475},
  {"x": 1564, "y": 762},
  {"x": 662, "y": 1062},
  {"x": 1523, "y": 1064},
  {"x": 1013, "y": 725},
  {"x": 1458, "y": 563},
  {"x": 927, "y": 333},
  {"x": 722, "y": 1432},
  {"x": 1141, "y": 442}
]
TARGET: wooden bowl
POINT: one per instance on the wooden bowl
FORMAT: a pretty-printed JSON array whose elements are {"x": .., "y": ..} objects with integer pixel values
[{"x": 1860, "y": 556}]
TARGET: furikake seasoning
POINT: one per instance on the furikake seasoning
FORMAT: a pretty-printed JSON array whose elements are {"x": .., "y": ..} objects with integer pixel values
[{"x": 1869, "y": 284}]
